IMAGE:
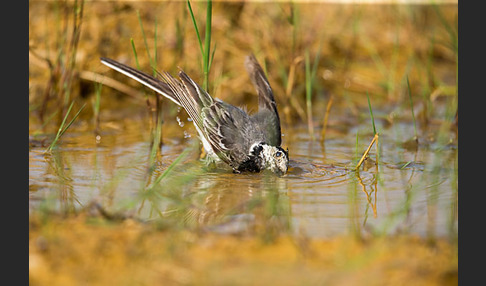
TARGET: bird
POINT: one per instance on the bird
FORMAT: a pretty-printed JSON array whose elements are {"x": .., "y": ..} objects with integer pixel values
[{"x": 245, "y": 142}]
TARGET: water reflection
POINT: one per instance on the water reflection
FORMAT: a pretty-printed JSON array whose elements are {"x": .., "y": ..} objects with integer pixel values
[
  {"x": 221, "y": 201},
  {"x": 321, "y": 196}
]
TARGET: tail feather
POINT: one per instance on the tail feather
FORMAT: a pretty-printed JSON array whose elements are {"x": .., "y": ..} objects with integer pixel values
[
  {"x": 199, "y": 95},
  {"x": 145, "y": 79}
]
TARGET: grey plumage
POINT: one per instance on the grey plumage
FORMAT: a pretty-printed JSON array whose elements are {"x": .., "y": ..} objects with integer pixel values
[
  {"x": 245, "y": 142},
  {"x": 267, "y": 107}
]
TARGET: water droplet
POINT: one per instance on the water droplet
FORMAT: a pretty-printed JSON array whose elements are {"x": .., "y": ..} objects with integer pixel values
[{"x": 179, "y": 121}]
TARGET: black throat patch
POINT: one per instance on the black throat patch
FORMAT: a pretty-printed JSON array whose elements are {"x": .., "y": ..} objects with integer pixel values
[{"x": 254, "y": 163}]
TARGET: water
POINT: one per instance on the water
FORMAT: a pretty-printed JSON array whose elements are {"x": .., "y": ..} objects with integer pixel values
[{"x": 411, "y": 191}]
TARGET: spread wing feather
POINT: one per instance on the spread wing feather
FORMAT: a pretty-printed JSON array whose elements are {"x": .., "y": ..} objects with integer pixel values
[{"x": 267, "y": 107}]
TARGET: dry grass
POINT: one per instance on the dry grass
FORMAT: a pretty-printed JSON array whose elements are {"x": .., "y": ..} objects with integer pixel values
[{"x": 364, "y": 48}]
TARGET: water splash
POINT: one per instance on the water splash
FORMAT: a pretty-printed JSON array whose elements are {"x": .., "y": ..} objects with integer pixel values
[{"x": 180, "y": 122}]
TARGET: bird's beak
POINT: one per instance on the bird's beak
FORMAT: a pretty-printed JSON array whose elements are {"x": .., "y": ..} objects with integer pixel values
[{"x": 281, "y": 172}]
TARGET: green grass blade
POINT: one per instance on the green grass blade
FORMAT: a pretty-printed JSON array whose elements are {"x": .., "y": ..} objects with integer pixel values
[
  {"x": 72, "y": 120},
  {"x": 63, "y": 129},
  {"x": 195, "y": 26},
  {"x": 371, "y": 113},
  {"x": 212, "y": 57},
  {"x": 169, "y": 169},
  {"x": 155, "y": 47},
  {"x": 145, "y": 40},
  {"x": 206, "y": 50},
  {"x": 96, "y": 108},
  {"x": 135, "y": 53},
  {"x": 207, "y": 44},
  {"x": 65, "y": 118}
]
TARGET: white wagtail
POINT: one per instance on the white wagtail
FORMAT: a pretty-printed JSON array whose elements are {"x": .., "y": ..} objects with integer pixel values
[{"x": 245, "y": 142}]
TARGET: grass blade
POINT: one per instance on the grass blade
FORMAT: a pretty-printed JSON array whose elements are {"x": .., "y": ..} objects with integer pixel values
[
  {"x": 195, "y": 26},
  {"x": 308, "y": 89},
  {"x": 207, "y": 44},
  {"x": 72, "y": 120},
  {"x": 371, "y": 113},
  {"x": 212, "y": 57},
  {"x": 63, "y": 129},
  {"x": 365, "y": 154},
  {"x": 135, "y": 53},
  {"x": 152, "y": 63},
  {"x": 155, "y": 47},
  {"x": 168, "y": 170},
  {"x": 206, "y": 50},
  {"x": 326, "y": 118},
  {"x": 96, "y": 109}
]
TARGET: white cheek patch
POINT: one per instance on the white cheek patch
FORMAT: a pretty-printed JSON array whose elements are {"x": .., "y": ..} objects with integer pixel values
[
  {"x": 267, "y": 155},
  {"x": 267, "y": 151}
]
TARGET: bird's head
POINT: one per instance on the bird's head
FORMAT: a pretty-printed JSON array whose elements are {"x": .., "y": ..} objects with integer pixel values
[{"x": 273, "y": 158}]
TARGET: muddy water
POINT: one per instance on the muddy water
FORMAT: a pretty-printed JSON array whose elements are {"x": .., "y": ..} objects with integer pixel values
[{"x": 410, "y": 190}]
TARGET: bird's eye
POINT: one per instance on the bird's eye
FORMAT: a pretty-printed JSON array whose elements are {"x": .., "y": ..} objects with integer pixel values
[{"x": 278, "y": 154}]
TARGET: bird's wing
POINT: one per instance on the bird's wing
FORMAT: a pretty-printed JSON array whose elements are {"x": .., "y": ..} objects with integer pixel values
[
  {"x": 266, "y": 101},
  {"x": 226, "y": 128},
  {"x": 229, "y": 131},
  {"x": 145, "y": 79}
]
